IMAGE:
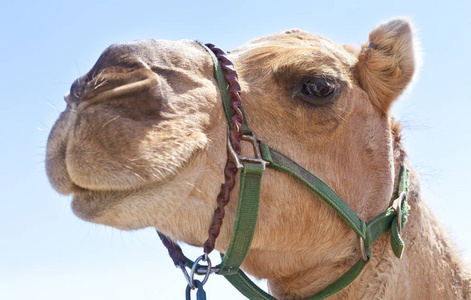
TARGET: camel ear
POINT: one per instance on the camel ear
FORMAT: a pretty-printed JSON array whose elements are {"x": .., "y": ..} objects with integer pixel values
[{"x": 386, "y": 63}]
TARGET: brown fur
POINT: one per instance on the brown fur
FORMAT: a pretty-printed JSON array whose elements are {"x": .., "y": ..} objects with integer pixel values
[{"x": 142, "y": 143}]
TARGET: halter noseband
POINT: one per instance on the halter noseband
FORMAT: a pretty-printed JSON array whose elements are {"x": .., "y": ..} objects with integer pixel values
[{"x": 394, "y": 217}]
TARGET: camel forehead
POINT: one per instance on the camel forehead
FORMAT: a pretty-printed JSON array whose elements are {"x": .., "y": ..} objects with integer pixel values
[
  {"x": 150, "y": 49},
  {"x": 296, "y": 42}
]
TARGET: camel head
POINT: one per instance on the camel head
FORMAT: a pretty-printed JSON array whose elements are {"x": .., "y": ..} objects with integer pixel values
[{"x": 142, "y": 142}]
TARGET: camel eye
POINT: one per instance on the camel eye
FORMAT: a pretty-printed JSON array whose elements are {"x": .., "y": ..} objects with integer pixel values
[{"x": 318, "y": 87}]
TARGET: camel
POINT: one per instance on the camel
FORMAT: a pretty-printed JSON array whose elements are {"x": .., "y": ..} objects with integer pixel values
[{"x": 143, "y": 143}]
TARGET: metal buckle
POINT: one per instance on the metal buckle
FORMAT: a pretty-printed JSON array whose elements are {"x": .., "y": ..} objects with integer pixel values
[
  {"x": 397, "y": 206},
  {"x": 238, "y": 159}
]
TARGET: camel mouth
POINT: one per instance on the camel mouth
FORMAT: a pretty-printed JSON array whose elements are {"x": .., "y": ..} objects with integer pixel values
[
  {"x": 94, "y": 204},
  {"x": 91, "y": 205},
  {"x": 103, "y": 207},
  {"x": 120, "y": 207}
]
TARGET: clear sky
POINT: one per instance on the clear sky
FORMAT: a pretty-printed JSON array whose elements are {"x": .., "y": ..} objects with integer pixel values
[{"x": 48, "y": 253}]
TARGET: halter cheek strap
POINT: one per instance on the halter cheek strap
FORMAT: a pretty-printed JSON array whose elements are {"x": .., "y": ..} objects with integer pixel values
[{"x": 393, "y": 218}]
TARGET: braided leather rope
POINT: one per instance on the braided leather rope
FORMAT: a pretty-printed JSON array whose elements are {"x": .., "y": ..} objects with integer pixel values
[
  {"x": 174, "y": 251},
  {"x": 230, "y": 170},
  {"x": 235, "y": 136}
]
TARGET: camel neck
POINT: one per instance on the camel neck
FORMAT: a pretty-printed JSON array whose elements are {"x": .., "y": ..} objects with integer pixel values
[
  {"x": 429, "y": 269},
  {"x": 428, "y": 262}
]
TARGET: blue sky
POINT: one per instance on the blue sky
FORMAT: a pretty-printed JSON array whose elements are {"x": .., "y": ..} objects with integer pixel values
[{"x": 48, "y": 253}]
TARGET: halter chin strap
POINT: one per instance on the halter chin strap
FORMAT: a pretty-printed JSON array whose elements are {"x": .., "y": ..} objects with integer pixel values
[{"x": 394, "y": 217}]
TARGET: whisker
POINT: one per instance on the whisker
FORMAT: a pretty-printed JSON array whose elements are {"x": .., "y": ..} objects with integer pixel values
[
  {"x": 113, "y": 119},
  {"x": 336, "y": 112},
  {"x": 55, "y": 108},
  {"x": 104, "y": 82},
  {"x": 98, "y": 76}
]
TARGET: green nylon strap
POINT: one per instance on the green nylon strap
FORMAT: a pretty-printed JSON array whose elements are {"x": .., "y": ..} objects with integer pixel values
[
  {"x": 280, "y": 162},
  {"x": 397, "y": 244},
  {"x": 246, "y": 287},
  {"x": 342, "y": 282},
  {"x": 379, "y": 226},
  {"x": 250, "y": 290},
  {"x": 404, "y": 186},
  {"x": 404, "y": 180},
  {"x": 246, "y": 219},
  {"x": 222, "y": 83}
]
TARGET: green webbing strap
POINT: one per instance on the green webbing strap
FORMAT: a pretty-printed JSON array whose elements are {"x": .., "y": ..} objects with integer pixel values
[
  {"x": 404, "y": 186},
  {"x": 250, "y": 290},
  {"x": 246, "y": 219},
  {"x": 397, "y": 244},
  {"x": 404, "y": 180},
  {"x": 246, "y": 287},
  {"x": 282, "y": 163},
  {"x": 379, "y": 226},
  {"x": 222, "y": 83},
  {"x": 342, "y": 282}
]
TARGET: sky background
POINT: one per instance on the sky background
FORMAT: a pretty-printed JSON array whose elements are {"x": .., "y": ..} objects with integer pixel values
[{"x": 48, "y": 253}]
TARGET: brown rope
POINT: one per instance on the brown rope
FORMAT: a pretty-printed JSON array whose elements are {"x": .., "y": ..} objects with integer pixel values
[
  {"x": 174, "y": 251},
  {"x": 235, "y": 136}
]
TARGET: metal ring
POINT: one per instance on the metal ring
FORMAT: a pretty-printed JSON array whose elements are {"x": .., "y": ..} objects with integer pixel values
[
  {"x": 187, "y": 277},
  {"x": 204, "y": 269},
  {"x": 364, "y": 256},
  {"x": 205, "y": 258}
]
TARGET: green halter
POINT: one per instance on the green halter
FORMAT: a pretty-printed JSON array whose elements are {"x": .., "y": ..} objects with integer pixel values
[{"x": 249, "y": 197}]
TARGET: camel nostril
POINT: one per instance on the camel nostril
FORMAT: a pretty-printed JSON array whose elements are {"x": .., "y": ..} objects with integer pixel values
[
  {"x": 71, "y": 101},
  {"x": 77, "y": 90},
  {"x": 67, "y": 99}
]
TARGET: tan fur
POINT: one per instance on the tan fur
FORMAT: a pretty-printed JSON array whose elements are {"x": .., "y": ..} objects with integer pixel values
[
  {"x": 386, "y": 63},
  {"x": 142, "y": 143}
]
